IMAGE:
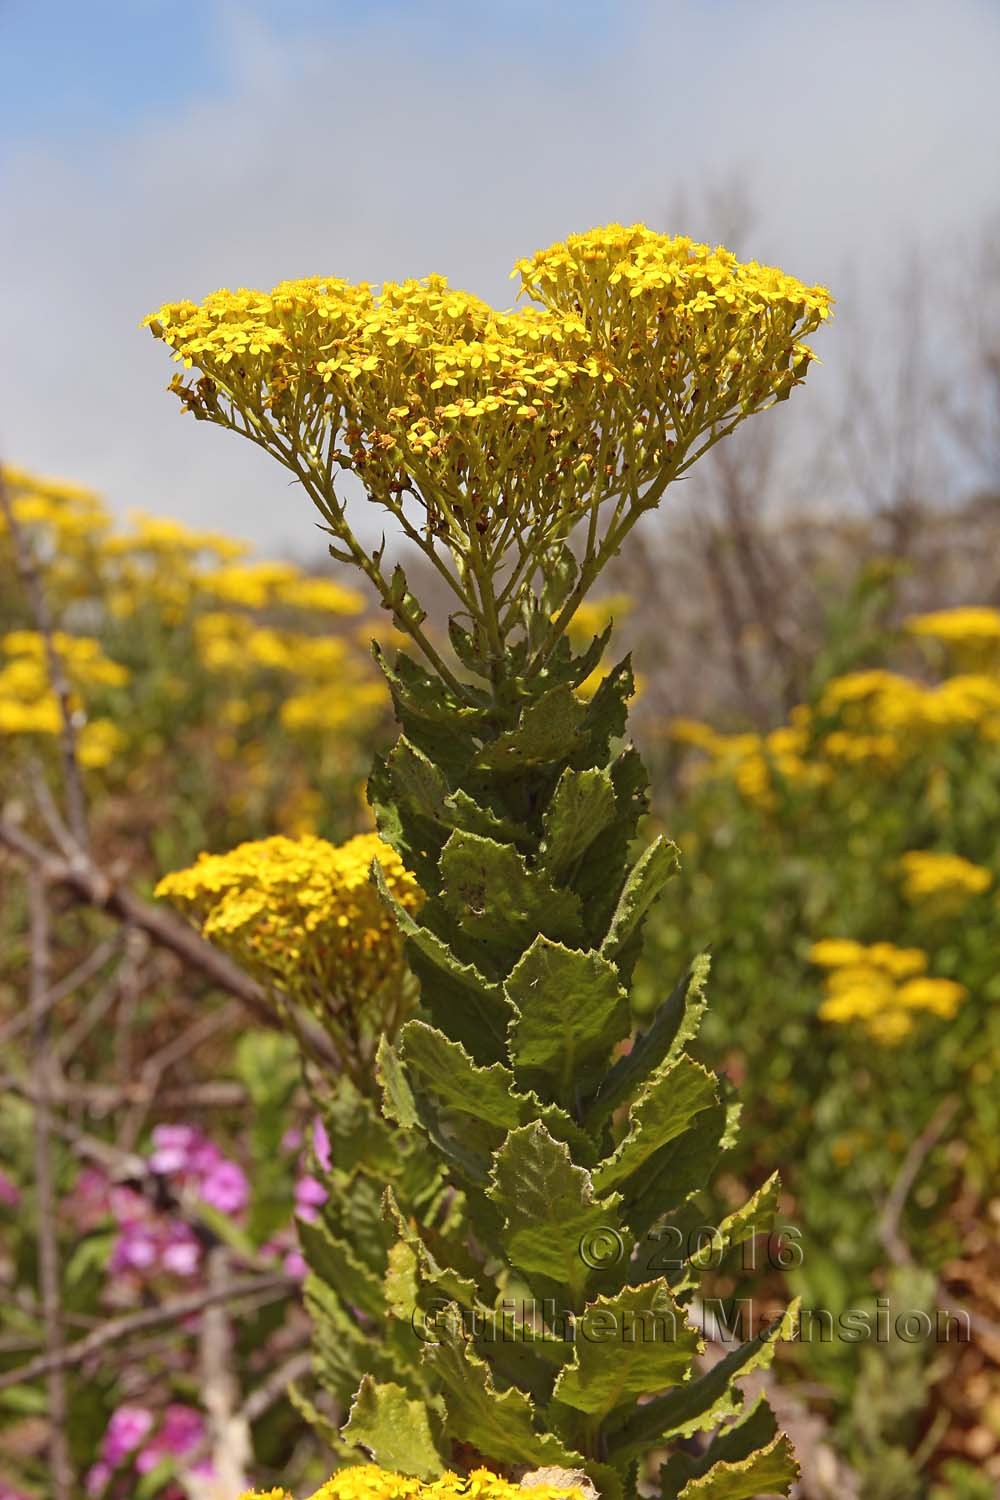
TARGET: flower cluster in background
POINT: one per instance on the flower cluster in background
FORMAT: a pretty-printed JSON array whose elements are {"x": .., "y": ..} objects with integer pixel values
[
  {"x": 883, "y": 987},
  {"x": 942, "y": 881},
  {"x": 876, "y": 721},
  {"x": 138, "y": 1440},
  {"x": 177, "y": 643}
]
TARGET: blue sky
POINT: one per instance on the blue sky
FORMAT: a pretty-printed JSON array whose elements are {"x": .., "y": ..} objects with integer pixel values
[
  {"x": 83, "y": 69},
  {"x": 150, "y": 150}
]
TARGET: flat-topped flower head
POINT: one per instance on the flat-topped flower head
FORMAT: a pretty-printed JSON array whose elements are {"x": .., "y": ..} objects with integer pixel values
[
  {"x": 638, "y": 351},
  {"x": 304, "y": 915},
  {"x": 369, "y": 1482}
]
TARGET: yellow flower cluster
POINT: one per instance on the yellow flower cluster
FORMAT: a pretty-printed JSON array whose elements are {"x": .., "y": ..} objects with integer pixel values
[
  {"x": 645, "y": 349},
  {"x": 161, "y": 536},
  {"x": 28, "y": 704},
  {"x": 882, "y": 987},
  {"x": 874, "y": 720},
  {"x": 754, "y": 761},
  {"x": 967, "y": 626},
  {"x": 302, "y": 913},
  {"x": 878, "y": 705},
  {"x": 368, "y": 1482},
  {"x": 930, "y": 877},
  {"x": 164, "y": 562},
  {"x": 66, "y": 516},
  {"x": 334, "y": 687}
]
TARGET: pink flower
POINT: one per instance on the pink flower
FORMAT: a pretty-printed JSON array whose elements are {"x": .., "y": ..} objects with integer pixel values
[
  {"x": 97, "y": 1478},
  {"x": 225, "y": 1187},
  {"x": 172, "y": 1147},
  {"x": 180, "y": 1431},
  {"x": 10, "y": 1195},
  {"x": 125, "y": 1431},
  {"x": 135, "y": 1248},
  {"x": 294, "y": 1265},
  {"x": 136, "y": 1433},
  {"x": 180, "y": 1251},
  {"x": 321, "y": 1145},
  {"x": 309, "y": 1194}
]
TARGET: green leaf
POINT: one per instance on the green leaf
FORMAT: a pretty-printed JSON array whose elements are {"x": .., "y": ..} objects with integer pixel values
[
  {"x": 342, "y": 1352},
  {"x": 89, "y": 1259},
  {"x": 334, "y": 1262},
  {"x": 668, "y": 1103},
  {"x": 756, "y": 1429},
  {"x": 407, "y": 792},
  {"x": 358, "y": 1134},
  {"x": 326, "y": 1430},
  {"x": 485, "y": 1094},
  {"x": 582, "y": 805},
  {"x": 702, "y": 1403},
  {"x": 397, "y": 1095},
  {"x": 548, "y": 732},
  {"x": 607, "y": 712},
  {"x": 446, "y": 1067},
  {"x": 225, "y": 1228},
  {"x": 645, "y": 882},
  {"x": 769, "y": 1471},
  {"x": 455, "y": 993},
  {"x": 500, "y": 1425},
  {"x": 627, "y": 1346},
  {"x": 499, "y": 902},
  {"x": 475, "y": 816},
  {"x": 418, "y": 1271},
  {"x": 570, "y": 1010},
  {"x": 394, "y": 1429},
  {"x": 549, "y": 1207},
  {"x": 466, "y": 1144},
  {"x": 674, "y": 1023},
  {"x": 432, "y": 717},
  {"x": 755, "y": 1216},
  {"x": 559, "y": 574},
  {"x": 675, "y": 1171},
  {"x": 599, "y": 878}
]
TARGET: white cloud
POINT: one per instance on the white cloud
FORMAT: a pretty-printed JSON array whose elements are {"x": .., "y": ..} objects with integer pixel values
[{"x": 860, "y": 129}]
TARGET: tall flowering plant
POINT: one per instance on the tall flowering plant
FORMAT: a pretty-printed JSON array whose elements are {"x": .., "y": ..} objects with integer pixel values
[{"x": 535, "y": 1321}]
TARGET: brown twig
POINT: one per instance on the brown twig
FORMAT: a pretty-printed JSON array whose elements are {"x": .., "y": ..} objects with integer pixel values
[
  {"x": 102, "y": 1098},
  {"x": 88, "y": 883},
  {"x": 49, "y": 1280},
  {"x": 153, "y": 1069},
  {"x": 84, "y": 971},
  {"x": 174, "y": 1311},
  {"x": 228, "y": 1430},
  {"x": 92, "y": 886},
  {"x": 275, "y": 1387},
  {"x": 888, "y": 1229}
]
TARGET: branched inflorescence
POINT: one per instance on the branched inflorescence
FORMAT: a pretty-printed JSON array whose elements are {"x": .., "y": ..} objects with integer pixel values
[{"x": 511, "y": 1301}]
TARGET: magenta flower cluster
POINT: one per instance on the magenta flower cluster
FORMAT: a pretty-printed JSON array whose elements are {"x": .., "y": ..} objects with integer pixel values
[
  {"x": 153, "y": 1237},
  {"x": 139, "y": 1438}
]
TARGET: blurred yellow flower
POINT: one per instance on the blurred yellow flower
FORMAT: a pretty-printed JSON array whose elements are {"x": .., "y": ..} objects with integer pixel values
[
  {"x": 948, "y": 878},
  {"x": 881, "y": 987}
]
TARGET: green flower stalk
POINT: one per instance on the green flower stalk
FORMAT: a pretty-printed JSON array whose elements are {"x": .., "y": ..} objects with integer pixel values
[{"x": 527, "y": 1314}]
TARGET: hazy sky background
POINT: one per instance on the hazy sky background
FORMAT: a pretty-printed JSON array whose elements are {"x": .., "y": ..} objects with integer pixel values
[{"x": 152, "y": 149}]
